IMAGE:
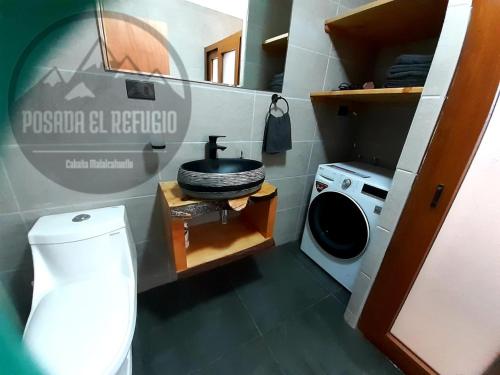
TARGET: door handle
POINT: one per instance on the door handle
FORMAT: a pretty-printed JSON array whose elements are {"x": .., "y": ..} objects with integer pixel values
[{"x": 437, "y": 195}]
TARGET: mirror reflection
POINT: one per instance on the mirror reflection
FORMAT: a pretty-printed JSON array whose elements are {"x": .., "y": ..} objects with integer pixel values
[{"x": 240, "y": 43}]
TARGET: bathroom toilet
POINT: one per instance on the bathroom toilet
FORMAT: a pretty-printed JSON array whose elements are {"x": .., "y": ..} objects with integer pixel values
[{"x": 83, "y": 312}]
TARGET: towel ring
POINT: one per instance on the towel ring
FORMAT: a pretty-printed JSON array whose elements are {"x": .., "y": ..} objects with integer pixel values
[{"x": 274, "y": 100}]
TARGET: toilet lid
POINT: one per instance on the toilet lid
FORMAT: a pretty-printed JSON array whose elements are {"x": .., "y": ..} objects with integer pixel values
[{"x": 83, "y": 328}]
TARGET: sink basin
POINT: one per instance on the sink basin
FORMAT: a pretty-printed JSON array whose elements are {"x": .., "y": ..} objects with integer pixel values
[{"x": 220, "y": 178}]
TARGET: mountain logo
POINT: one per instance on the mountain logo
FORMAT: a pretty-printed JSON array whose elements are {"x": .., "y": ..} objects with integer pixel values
[
  {"x": 79, "y": 91},
  {"x": 76, "y": 125}
]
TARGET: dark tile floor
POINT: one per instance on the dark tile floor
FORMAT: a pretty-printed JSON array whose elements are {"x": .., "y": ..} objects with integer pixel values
[{"x": 275, "y": 313}]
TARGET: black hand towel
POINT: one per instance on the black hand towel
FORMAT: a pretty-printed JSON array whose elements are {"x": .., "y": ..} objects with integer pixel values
[{"x": 278, "y": 133}]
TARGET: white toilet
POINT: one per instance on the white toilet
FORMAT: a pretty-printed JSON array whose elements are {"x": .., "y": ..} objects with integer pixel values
[{"x": 83, "y": 313}]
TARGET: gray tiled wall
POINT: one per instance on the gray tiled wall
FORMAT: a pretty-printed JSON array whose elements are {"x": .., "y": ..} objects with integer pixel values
[{"x": 318, "y": 136}]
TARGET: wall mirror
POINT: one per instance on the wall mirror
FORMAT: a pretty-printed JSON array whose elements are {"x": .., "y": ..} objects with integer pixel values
[{"x": 241, "y": 43}]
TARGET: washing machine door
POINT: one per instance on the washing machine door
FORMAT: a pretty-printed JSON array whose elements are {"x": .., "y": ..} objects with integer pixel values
[{"x": 338, "y": 225}]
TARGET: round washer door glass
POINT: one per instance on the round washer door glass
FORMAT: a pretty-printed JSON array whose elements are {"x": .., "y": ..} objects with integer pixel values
[{"x": 338, "y": 225}]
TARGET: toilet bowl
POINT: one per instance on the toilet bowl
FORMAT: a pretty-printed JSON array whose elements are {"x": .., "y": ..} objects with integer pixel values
[{"x": 83, "y": 312}]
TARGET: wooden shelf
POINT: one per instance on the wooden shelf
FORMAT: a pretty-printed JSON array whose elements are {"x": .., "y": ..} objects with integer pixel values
[
  {"x": 277, "y": 44},
  {"x": 386, "y": 95},
  {"x": 213, "y": 244},
  {"x": 386, "y": 22},
  {"x": 214, "y": 241}
]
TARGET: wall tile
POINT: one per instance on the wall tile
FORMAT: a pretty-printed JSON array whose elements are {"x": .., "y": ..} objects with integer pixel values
[
  {"x": 302, "y": 220},
  {"x": 420, "y": 133},
  {"x": 328, "y": 121},
  {"x": 34, "y": 190},
  {"x": 214, "y": 111},
  {"x": 350, "y": 318},
  {"x": 448, "y": 50},
  {"x": 354, "y": 3},
  {"x": 308, "y": 188},
  {"x": 396, "y": 199},
  {"x": 154, "y": 265},
  {"x": 8, "y": 203},
  {"x": 145, "y": 218},
  {"x": 379, "y": 241},
  {"x": 307, "y": 24},
  {"x": 381, "y": 134},
  {"x": 292, "y": 163},
  {"x": 328, "y": 152},
  {"x": 302, "y": 117},
  {"x": 360, "y": 292},
  {"x": 14, "y": 250},
  {"x": 304, "y": 72},
  {"x": 17, "y": 285},
  {"x": 286, "y": 226},
  {"x": 290, "y": 191},
  {"x": 60, "y": 47},
  {"x": 6, "y": 136},
  {"x": 30, "y": 217},
  {"x": 336, "y": 74}
]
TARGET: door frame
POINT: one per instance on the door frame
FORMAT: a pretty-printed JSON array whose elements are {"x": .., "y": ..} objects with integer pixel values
[
  {"x": 460, "y": 128},
  {"x": 218, "y": 49}
]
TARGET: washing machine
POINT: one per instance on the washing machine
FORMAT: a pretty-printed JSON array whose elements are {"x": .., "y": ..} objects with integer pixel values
[{"x": 345, "y": 206}]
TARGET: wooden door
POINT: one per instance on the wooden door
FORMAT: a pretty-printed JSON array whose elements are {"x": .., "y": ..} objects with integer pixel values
[
  {"x": 133, "y": 46},
  {"x": 458, "y": 134},
  {"x": 214, "y": 57}
]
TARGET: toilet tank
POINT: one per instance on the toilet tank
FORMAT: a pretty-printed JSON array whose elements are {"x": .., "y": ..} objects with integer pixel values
[{"x": 80, "y": 245}]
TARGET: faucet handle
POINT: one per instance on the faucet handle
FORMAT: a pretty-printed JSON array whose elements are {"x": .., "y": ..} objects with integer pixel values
[{"x": 213, "y": 138}]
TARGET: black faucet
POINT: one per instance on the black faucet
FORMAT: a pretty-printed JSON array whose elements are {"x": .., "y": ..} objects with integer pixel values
[{"x": 213, "y": 146}]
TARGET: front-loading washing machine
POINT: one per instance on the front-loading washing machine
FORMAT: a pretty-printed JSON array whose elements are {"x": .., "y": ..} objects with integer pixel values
[{"x": 345, "y": 205}]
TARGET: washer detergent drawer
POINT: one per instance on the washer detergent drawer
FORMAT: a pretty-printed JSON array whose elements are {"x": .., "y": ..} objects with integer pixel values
[{"x": 338, "y": 224}]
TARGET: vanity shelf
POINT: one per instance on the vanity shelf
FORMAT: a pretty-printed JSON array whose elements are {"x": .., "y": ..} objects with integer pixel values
[
  {"x": 385, "y": 95},
  {"x": 277, "y": 44},
  {"x": 386, "y": 22},
  {"x": 213, "y": 244}
]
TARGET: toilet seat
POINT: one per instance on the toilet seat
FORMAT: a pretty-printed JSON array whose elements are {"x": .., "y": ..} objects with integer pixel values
[{"x": 84, "y": 327}]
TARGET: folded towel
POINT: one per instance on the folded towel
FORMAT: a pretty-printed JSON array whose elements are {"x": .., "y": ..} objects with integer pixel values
[
  {"x": 409, "y": 74},
  {"x": 414, "y": 59},
  {"x": 404, "y": 83},
  {"x": 409, "y": 67}
]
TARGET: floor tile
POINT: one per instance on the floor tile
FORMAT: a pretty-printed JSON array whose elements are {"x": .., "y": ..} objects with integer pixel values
[
  {"x": 187, "y": 324},
  {"x": 318, "y": 341},
  {"x": 273, "y": 286},
  {"x": 328, "y": 282},
  {"x": 253, "y": 358},
  {"x": 213, "y": 323}
]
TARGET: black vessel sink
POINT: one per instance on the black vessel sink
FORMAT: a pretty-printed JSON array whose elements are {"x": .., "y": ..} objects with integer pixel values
[{"x": 220, "y": 178}]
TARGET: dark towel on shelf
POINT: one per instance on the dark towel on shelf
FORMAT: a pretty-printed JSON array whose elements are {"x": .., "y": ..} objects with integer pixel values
[
  {"x": 411, "y": 74},
  {"x": 404, "y": 83},
  {"x": 414, "y": 59},
  {"x": 276, "y": 83},
  {"x": 409, "y": 67},
  {"x": 409, "y": 70}
]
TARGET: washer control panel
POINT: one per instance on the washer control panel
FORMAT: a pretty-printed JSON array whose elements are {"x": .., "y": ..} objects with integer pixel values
[{"x": 346, "y": 183}]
